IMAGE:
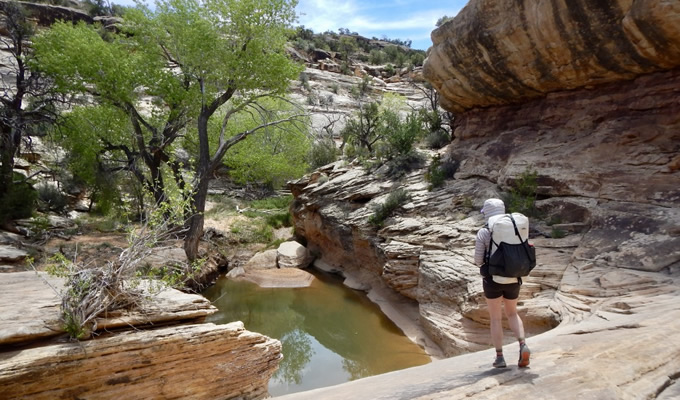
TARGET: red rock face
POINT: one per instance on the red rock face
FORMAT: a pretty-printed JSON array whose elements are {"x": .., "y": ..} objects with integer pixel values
[{"x": 502, "y": 52}]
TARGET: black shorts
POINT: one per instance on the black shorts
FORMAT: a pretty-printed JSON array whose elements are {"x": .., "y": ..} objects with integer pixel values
[{"x": 494, "y": 290}]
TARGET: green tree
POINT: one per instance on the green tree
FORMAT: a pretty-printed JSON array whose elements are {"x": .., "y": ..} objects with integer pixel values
[
  {"x": 198, "y": 61},
  {"x": 364, "y": 130},
  {"x": 441, "y": 21},
  {"x": 99, "y": 148},
  {"x": 401, "y": 136},
  {"x": 112, "y": 72},
  {"x": 273, "y": 156},
  {"x": 347, "y": 46},
  {"x": 27, "y": 105}
]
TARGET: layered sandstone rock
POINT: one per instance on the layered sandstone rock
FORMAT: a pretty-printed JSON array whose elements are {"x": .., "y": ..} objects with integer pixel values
[
  {"x": 193, "y": 361},
  {"x": 149, "y": 360},
  {"x": 29, "y": 308},
  {"x": 501, "y": 52},
  {"x": 587, "y": 95}
]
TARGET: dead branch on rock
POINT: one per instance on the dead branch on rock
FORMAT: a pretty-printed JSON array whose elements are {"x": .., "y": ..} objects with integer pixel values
[{"x": 93, "y": 289}]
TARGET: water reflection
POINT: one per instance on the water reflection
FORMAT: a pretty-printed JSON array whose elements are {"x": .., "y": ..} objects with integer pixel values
[{"x": 330, "y": 334}]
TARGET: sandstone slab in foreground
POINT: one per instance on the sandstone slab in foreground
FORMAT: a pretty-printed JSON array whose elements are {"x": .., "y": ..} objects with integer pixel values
[
  {"x": 626, "y": 349},
  {"x": 203, "y": 361},
  {"x": 29, "y": 308}
]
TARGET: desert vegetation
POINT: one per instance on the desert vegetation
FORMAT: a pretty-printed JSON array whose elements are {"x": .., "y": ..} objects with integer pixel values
[{"x": 140, "y": 118}]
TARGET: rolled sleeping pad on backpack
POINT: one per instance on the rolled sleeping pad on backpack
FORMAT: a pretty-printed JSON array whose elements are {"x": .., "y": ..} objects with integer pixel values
[
  {"x": 511, "y": 256},
  {"x": 502, "y": 230}
]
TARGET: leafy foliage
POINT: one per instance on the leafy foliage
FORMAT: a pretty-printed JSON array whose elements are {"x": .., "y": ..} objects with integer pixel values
[
  {"x": 379, "y": 130},
  {"x": 202, "y": 64},
  {"x": 27, "y": 106},
  {"x": 439, "y": 171},
  {"x": 401, "y": 135},
  {"x": 382, "y": 211},
  {"x": 18, "y": 202},
  {"x": 272, "y": 203},
  {"x": 522, "y": 195},
  {"x": 437, "y": 139},
  {"x": 51, "y": 198},
  {"x": 322, "y": 152},
  {"x": 274, "y": 156}
]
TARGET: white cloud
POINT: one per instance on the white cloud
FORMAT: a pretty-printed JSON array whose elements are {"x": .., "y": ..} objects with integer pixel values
[
  {"x": 323, "y": 15},
  {"x": 423, "y": 20},
  {"x": 393, "y": 18}
]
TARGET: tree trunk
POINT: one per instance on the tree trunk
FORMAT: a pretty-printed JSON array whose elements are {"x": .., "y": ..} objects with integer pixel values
[
  {"x": 7, "y": 159},
  {"x": 195, "y": 222}
]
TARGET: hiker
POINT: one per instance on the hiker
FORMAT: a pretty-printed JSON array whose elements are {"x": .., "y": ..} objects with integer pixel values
[{"x": 500, "y": 292}]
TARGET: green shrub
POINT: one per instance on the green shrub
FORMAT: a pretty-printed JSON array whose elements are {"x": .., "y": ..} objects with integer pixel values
[
  {"x": 557, "y": 233},
  {"x": 51, "y": 198},
  {"x": 18, "y": 202},
  {"x": 402, "y": 164},
  {"x": 437, "y": 139},
  {"x": 382, "y": 211},
  {"x": 522, "y": 195},
  {"x": 322, "y": 152},
  {"x": 263, "y": 234},
  {"x": 279, "y": 220},
  {"x": 401, "y": 136},
  {"x": 272, "y": 203},
  {"x": 439, "y": 171},
  {"x": 40, "y": 225},
  {"x": 304, "y": 80},
  {"x": 376, "y": 57}
]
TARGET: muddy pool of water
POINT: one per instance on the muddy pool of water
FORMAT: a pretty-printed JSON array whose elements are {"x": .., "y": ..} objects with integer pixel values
[{"x": 330, "y": 333}]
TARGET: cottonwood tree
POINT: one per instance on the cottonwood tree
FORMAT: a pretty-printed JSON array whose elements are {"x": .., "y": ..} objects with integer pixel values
[
  {"x": 27, "y": 104},
  {"x": 197, "y": 61}
]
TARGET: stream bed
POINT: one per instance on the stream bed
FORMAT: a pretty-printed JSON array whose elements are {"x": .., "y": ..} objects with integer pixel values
[{"x": 330, "y": 333}]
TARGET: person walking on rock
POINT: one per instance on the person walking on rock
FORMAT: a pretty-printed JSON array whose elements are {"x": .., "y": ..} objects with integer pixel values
[{"x": 500, "y": 292}]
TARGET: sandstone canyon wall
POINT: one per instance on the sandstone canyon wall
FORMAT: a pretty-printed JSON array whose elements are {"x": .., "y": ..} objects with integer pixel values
[
  {"x": 587, "y": 94},
  {"x": 501, "y": 52}
]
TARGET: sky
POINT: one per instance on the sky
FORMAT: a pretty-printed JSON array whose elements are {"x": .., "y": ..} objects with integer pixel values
[{"x": 395, "y": 19}]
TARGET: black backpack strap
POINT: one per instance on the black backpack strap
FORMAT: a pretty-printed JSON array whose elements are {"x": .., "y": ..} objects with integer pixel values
[
  {"x": 520, "y": 238},
  {"x": 515, "y": 226}
]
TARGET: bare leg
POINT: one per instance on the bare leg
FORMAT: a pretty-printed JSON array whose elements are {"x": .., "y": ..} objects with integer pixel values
[
  {"x": 496, "y": 316},
  {"x": 514, "y": 320}
]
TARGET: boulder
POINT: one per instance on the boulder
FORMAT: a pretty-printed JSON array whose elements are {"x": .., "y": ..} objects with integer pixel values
[
  {"x": 9, "y": 238},
  {"x": 501, "y": 52},
  {"x": 320, "y": 55},
  {"x": 262, "y": 260},
  {"x": 293, "y": 255},
  {"x": 11, "y": 254},
  {"x": 280, "y": 278}
]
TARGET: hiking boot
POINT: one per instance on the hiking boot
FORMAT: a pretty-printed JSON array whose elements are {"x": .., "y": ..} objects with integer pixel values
[
  {"x": 524, "y": 354},
  {"x": 499, "y": 362}
]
